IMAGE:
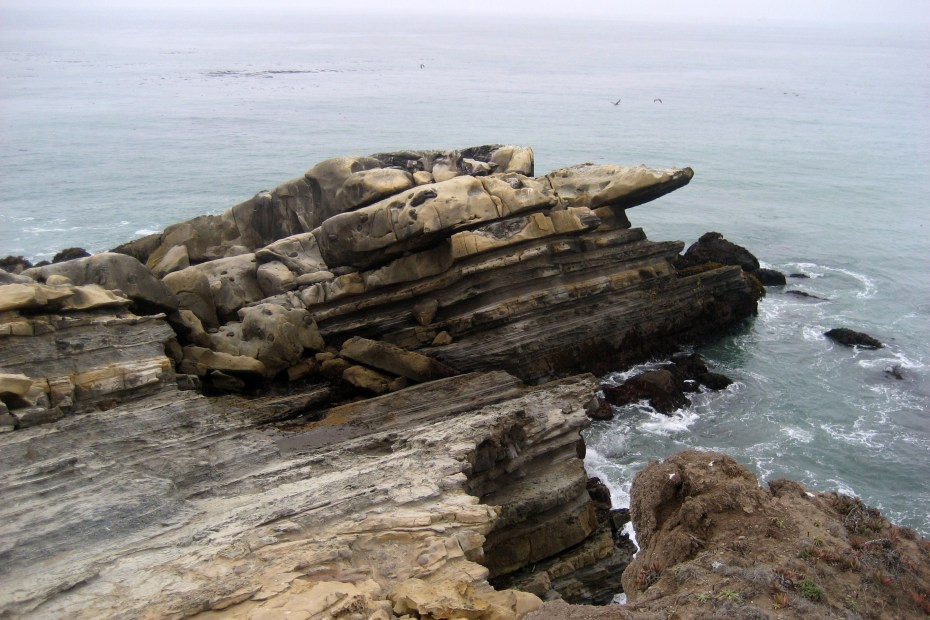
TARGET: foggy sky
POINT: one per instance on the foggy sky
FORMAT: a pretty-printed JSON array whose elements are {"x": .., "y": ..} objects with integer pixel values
[{"x": 825, "y": 11}]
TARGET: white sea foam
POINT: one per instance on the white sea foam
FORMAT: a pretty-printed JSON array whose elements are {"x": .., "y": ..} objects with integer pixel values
[
  {"x": 146, "y": 231},
  {"x": 660, "y": 424}
]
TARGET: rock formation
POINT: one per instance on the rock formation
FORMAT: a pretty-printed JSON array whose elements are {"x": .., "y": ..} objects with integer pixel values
[{"x": 390, "y": 347}]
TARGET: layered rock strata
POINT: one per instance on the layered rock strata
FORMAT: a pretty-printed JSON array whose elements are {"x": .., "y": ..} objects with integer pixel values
[
  {"x": 423, "y": 291},
  {"x": 476, "y": 266},
  {"x": 176, "y": 504}
]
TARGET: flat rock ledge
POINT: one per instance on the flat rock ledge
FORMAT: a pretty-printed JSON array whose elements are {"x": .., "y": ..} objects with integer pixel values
[{"x": 357, "y": 395}]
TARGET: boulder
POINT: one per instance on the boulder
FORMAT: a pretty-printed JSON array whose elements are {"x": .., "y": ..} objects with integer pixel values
[
  {"x": 770, "y": 277},
  {"x": 510, "y": 158},
  {"x": 175, "y": 259},
  {"x": 713, "y": 248},
  {"x": 621, "y": 187},
  {"x": 192, "y": 288},
  {"x": 395, "y": 360},
  {"x": 115, "y": 271},
  {"x": 850, "y": 338},
  {"x": 368, "y": 186},
  {"x": 300, "y": 253},
  {"x": 368, "y": 379},
  {"x": 31, "y": 295},
  {"x": 660, "y": 387},
  {"x": 326, "y": 179},
  {"x": 233, "y": 283},
  {"x": 274, "y": 278},
  {"x": 14, "y": 264},
  {"x": 409, "y": 221},
  {"x": 279, "y": 335},
  {"x": 70, "y": 254}
]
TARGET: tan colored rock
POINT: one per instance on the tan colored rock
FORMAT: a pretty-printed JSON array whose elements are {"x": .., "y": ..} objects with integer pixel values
[
  {"x": 27, "y": 296},
  {"x": 58, "y": 280},
  {"x": 395, "y": 360},
  {"x": 594, "y": 186},
  {"x": 517, "y": 159},
  {"x": 368, "y": 186},
  {"x": 192, "y": 288},
  {"x": 279, "y": 335},
  {"x": 114, "y": 271},
  {"x": 174, "y": 259},
  {"x": 274, "y": 278},
  {"x": 206, "y": 360},
  {"x": 334, "y": 367},
  {"x": 367, "y": 379},
  {"x": 447, "y": 166},
  {"x": 422, "y": 177},
  {"x": 442, "y": 338},
  {"x": 516, "y": 193},
  {"x": 300, "y": 253},
  {"x": 93, "y": 296},
  {"x": 233, "y": 283},
  {"x": 12, "y": 384},
  {"x": 408, "y": 221},
  {"x": 326, "y": 179}
]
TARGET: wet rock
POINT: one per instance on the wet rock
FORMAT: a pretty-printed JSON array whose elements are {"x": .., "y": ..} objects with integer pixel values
[
  {"x": 660, "y": 387},
  {"x": 895, "y": 372},
  {"x": 770, "y": 277},
  {"x": 805, "y": 295},
  {"x": 799, "y": 276},
  {"x": 70, "y": 254},
  {"x": 852, "y": 338},
  {"x": 713, "y": 248},
  {"x": 14, "y": 264}
]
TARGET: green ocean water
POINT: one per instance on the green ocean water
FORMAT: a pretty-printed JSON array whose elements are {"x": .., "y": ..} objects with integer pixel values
[{"x": 810, "y": 145}]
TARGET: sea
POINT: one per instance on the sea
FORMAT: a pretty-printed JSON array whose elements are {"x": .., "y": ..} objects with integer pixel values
[{"x": 810, "y": 146}]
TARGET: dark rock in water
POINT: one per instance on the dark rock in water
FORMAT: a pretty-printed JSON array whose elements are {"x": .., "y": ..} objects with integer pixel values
[
  {"x": 852, "y": 338},
  {"x": 665, "y": 388},
  {"x": 713, "y": 248},
  {"x": 660, "y": 387},
  {"x": 691, "y": 370},
  {"x": 601, "y": 411},
  {"x": 70, "y": 254},
  {"x": 804, "y": 295},
  {"x": 715, "y": 380},
  {"x": 895, "y": 371},
  {"x": 688, "y": 365},
  {"x": 598, "y": 491},
  {"x": 770, "y": 277},
  {"x": 14, "y": 264},
  {"x": 800, "y": 276}
]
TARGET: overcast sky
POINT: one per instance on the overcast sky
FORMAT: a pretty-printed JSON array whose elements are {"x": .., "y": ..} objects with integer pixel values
[{"x": 863, "y": 11}]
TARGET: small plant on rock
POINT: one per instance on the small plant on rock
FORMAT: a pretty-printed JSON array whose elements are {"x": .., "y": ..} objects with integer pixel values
[{"x": 780, "y": 600}]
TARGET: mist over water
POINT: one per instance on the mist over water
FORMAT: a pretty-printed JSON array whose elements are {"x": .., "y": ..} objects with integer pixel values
[{"x": 811, "y": 147}]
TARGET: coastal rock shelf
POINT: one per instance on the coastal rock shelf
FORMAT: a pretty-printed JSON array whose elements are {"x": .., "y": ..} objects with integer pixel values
[{"x": 358, "y": 393}]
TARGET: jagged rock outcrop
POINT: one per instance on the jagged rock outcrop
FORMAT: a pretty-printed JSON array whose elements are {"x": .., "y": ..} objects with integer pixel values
[
  {"x": 712, "y": 541},
  {"x": 444, "y": 283},
  {"x": 184, "y": 504}
]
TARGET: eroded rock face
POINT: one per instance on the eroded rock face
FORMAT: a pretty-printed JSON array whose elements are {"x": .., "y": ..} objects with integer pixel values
[
  {"x": 440, "y": 281},
  {"x": 712, "y": 539},
  {"x": 114, "y": 272},
  {"x": 242, "y": 520}
]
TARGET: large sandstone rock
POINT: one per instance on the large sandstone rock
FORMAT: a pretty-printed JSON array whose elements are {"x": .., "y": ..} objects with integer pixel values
[
  {"x": 114, "y": 272},
  {"x": 411, "y": 221},
  {"x": 393, "y": 359},
  {"x": 594, "y": 186}
]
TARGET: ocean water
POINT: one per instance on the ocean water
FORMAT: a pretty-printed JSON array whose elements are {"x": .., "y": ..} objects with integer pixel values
[{"x": 811, "y": 147}]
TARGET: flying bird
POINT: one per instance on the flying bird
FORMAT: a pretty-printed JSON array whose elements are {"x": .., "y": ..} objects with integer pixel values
[
  {"x": 655, "y": 100},
  {"x": 617, "y": 102}
]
